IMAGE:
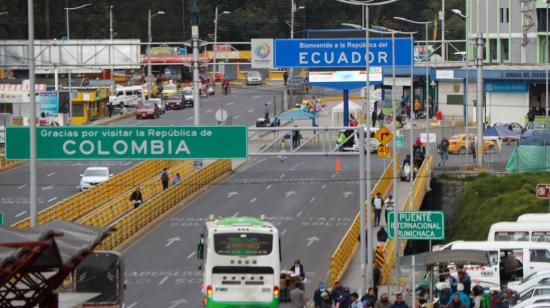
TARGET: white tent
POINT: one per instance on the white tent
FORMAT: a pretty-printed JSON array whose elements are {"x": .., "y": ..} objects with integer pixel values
[{"x": 338, "y": 112}]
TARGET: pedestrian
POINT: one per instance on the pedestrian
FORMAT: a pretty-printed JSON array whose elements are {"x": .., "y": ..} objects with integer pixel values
[
  {"x": 225, "y": 86},
  {"x": 285, "y": 76},
  {"x": 511, "y": 297},
  {"x": 464, "y": 298},
  {"x": 377, "y": 203},
  {"x": 499, "y": 301},
  {"x": 369, "y": 299},
  {"x": 473, "y": 149},
  {"x": 266, "y": 114},
  {"x": 465, "y": 279},
  {"x": 374, "y": 116},
  {"x": 417, "y": 107},
  {"x": 389, "y": 206},
  {"x": 136, "y": 198},
  {"x": 443, "y": 150},
  {"x": 531, "y": 117},
  {"x": 338, "y": 292},
  {"x": 164, "y": 178},
  {"x": 399, "y": 303},
  {"x": 456, "y": 303},
  {"x": 384, "y": 302},
  {"x": 321, "y": 296},
  {"x": 443, "y": 290},
  {"x": 376, "y": 277},
  {"x": 200, "y": 249},
  {"x": 298, "y": 269},
  {"x": 478, "y": 294},
  {"x": 356, "y": 302},
  {"x": 176, "y": 179},
  {"x": 382, "y": 235},
  {"x": 381, "y": 117},
  {"x": 123, "y": 110},
  {"x": 296, "y": 138},
  {"x": 110, "y": 108},
  {"x": 297, "y": 296},
  {"x": 353, "y": 120}
]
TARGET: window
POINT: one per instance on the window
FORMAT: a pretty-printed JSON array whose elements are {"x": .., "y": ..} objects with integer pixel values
[
  {"x": 539, "y": 255},
  {"x": 493, "y": 45},
  {"x": 507, "y": 15},
  {"x": 504, "y": 50},
  {"x": 493, "y": 257},
  {"x": 526, "y": 296},
  {"x": 541, "y": 20},
  {"x": 78, "y": 110},
  {"x": 128, "y": 92},
  {"x": 501, "y": 15},
  {"x": 541, "y": 292},
  {"x": 545, "y": 282},
  {"x": 455, "y": 99},
  {"x": 537, "y": 236}
]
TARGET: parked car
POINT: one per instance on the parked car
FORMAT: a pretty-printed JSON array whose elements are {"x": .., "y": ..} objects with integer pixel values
[
  {"x": 160, "y": 102},
  {"x": 534, "y": 291},
  {"x": 188, "y": 97},
  {"x": 352, "y": 143},
  {"x": 253, "y": 77},
  {"x": 460, "y": 143},
  {"x": 147, "y": 110},
  {"x": 528, "y": 282},
  {"x": 534, "y": 132},
  {"x": 127, "y": 96},
  {"x": 175, "y": 101},
  {"x": 169, "y": 89},
  {"x": 538, "y": 125},
  {"x": 513, "y": 126},
  {"x": 535, "y": 301},
  {"x": 93, "y": 176}
]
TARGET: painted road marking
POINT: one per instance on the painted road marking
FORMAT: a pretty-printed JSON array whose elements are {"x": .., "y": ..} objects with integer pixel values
[
  {"x": 230, "y": 103},
  {"x": 191, "y": 255},
  {"x": 333, "y": 175},
  {"x": 21, "y": 214},
  {"x": 256, "y": 96},
  {"x": 324, "y": 186},
  {"x": 283, "y": 232},
  {"x": 312, "y": 200},
  {"x": 282, "y": 176},
  {"x": 236, "y": 117},
  {"x": 250, "y": 110},
  {"x": 163, "y": 280},
  {"x": 231, "y": 194},
  {"x": 236, "y": 214},
  {"x": 132, "y": 305},
  {"x": 299, "y": 214},
  {"x": 209, "y": 110},
  {"x": 189, "y": 118},
  {"x": 21, "y": 187},
  {"x": 47, "y": 187},
  {"x": 52, "y": 199},
  {"x": 127, "y": 163},
  {"x": 268, "y": 186},
  {"x": 290, "y": 193},
  {"x": 253, "y": 200},
  {"x": 347, "y": 194},
  {"x": 50, "y": 174}
]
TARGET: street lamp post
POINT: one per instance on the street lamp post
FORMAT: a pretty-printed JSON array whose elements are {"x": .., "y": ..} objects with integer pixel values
[
  {"x": 366, "y": 273},
  {"x": 547, "y": 57},
  {"x": 425, "y": 23},
  {"x": 216, "y": 18},
  {"x": 67, "y": 9},
  {"x": 293, "y": 10},
  {"x": 33, "y": 200},
  {"x": 112, "y": 47},
  {"x": 150, "y": 39},
  {"x": 443, "y": 45}
]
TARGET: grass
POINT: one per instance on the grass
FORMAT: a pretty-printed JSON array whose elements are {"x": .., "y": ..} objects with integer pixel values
[{"x": 490, "y": 199}]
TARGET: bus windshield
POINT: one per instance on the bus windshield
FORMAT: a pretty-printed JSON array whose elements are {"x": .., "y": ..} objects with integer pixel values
[{"x": 243, "y": 244}]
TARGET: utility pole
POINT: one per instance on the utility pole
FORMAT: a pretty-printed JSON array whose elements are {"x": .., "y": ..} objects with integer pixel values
[
  {"x": 196, "y": 79},
  {"x": 479, "y": 93},
  {"x": 33, "y": 184},
  {"x": 149, "y": 65},
  {"x": 112, "y": 48},
  {"x": 183, "y": 18},
  {"x": 443, "y": 44}
]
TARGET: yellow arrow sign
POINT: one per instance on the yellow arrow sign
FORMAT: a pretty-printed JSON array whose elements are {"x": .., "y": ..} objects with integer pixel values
[{"x": 383, "y": 135}]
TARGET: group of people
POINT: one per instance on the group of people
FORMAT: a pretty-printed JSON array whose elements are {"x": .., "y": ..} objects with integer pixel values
[
  {"x": 380, "y": 204},
  {"x": 137, "y": 198},
  {"x": 342, "y": 297}
]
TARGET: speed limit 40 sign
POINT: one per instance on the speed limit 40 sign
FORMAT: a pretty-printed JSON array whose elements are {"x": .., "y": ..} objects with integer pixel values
[{"x": 384, "y": 151}]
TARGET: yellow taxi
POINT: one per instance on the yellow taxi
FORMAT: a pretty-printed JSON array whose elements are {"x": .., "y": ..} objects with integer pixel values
[{"x": 460, "y": 142}]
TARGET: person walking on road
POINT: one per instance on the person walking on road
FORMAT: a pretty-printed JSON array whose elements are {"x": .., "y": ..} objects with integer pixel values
[
  {"x": 297, "y": 297},
  {"x": 381, "y": 117},
  {"x": 165, "y": 179},
  {"x": 399, "y": 303},
  {"x": 377, "y": 203},
  {"x": 110, "y": 108},
  {"x": 443, "y": 150},
  {"x": 176, "y": 179},
  {"x": 382, "y": 235},
  {"x": 384, "y": 302},
  {"x": 296, "y": 138},
  {"x": 416, "y": 107},
  {"x": 266, "y": 114},
  {"x": 455, "y": 303},
  {"x": 374, "y": 117},
  {"x": 285, "y": 76},
  {"x": 136, "y": 198},
  {"x": 321, "y": 297}
]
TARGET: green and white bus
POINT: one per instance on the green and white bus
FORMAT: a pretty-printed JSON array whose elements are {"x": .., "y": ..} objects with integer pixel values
[{"x": 242, "y": 263}]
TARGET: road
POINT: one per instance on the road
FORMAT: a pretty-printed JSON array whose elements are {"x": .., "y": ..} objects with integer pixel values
[
  {"x": 58, "y": 180},
  {"x": 311, "y": 205}
]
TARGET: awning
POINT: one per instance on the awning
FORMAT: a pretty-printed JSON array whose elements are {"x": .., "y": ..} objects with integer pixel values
[{"x": 427, "y": 259}]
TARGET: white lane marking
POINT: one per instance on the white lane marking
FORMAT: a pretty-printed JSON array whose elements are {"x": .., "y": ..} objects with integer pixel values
[
  {"x": 283, "y": 232},
  {"x": 50, "y": 174},
  {"x": 268, "y": 186},
  {"x": 324, "y": 186},
  {"x": 290, "y": 193},
  {"x": 21, "y": 187},
  {"x": 21, "y": 214},
  {"x": 236, "y": 117},
  {"x": 132, "y": 305},
  {"x": 163, "y": 280},
  {"x": 127, "y": 163},
  {"x": 253, "y": 200},
  {"x": 76, "y": 164},
  {"x": 250, "y": 110},
  {"x": 333, "y": 175},
  {"x": 256, "y": 96},
  {"x": 282, "y": 176},
  {"x": 236, "y": 214},
  {"x": 47, "y": 187},
  {"x": 77, "y": 186},
  {"x": 209, "y": 110},
  {"x": 189, "y": 118},
  {"x": 52, "y": 199},
  {"x": 231, "y": 194},
  {"x": 312, "y": 200},
  {"x": 299, "y": 214},
  {"x": 230, "y": 103},
  {"x": 191, "y": 255},
  {"x": 311, "y": 240}
]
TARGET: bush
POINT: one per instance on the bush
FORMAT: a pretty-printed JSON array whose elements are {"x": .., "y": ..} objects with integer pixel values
[{"x": 491, "y": 199}]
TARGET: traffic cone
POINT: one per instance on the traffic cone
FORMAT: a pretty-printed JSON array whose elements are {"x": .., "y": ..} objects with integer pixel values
[{"x": 338, "y": 165}]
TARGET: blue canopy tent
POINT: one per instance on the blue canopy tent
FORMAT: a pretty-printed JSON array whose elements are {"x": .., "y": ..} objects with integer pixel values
[
  {"x": 297, "y": 114},
  {"x": 500, "y": 133}
]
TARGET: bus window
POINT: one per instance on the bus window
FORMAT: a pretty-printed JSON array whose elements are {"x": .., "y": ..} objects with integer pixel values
[
  {"x": 512, "y": 236},
  {"x": 243, "y": 244},
  {"x": 493, "y": 257},
  {"x": 540, "y": 236},
  {"x": 539, "y": 255}
]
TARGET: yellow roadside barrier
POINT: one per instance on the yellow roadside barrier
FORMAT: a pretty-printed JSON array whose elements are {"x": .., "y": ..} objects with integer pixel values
[
  {"x": 137, "y": 219},
  {"x": 83, "y": 202},
  {"x": 419, "y": 191},
  {"x": 344, "y": 252},
  {"x": 111, "y": 210}
]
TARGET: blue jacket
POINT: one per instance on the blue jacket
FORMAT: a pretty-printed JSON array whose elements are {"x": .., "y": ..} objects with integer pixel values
[{"x": 464, "y": 298}]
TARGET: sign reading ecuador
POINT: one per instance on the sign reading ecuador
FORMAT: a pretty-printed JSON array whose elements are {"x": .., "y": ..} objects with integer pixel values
[
  {"x": 141, "y": 143},
  {"x": 319, "y": 53}
]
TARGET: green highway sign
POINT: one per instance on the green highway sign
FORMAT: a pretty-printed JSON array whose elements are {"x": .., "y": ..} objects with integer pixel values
[
  {"x": 128, "y": 143},
  {"x": 1, "y": 218},
  {"x": 417, "y": 225},
  {"x": 400, "y": 141}
]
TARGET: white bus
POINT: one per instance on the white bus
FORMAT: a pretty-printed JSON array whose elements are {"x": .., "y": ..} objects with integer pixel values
[
  {"x": 542, "y": 217},
  {"x": 242, "y": 263},
  {"x": 533, "y": 257},
  {"x": 520, "y": 231}
]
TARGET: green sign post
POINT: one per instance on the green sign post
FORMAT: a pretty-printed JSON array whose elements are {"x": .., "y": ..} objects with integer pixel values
[
  {"x": 400, "y": 141},
  {"x": 417, "y": 225},
  {"x": 129, "y": 143},
  {"x": 1, "y": 218}
]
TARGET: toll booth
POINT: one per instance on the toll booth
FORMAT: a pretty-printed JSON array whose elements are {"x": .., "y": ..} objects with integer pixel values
[{"x": 89, "y": 104}]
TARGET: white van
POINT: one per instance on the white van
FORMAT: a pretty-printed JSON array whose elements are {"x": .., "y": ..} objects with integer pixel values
[
  {"x": 542, "y": 217},
  {"x": 533, "y": 257},
  {"x": 127, "y": 96},
  {"x": 353, "y": 142},
  {"x": 520, "y": 231}
]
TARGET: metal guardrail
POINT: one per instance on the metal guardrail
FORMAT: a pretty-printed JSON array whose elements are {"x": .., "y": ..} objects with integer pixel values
[
  {"x": 420, "y": 187},
  {"x": 136, "y": 220},
  {"x": 115, "y": 208},
  {"x": 346, "y": 249},
  {"x": 81, "y": 203}
]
